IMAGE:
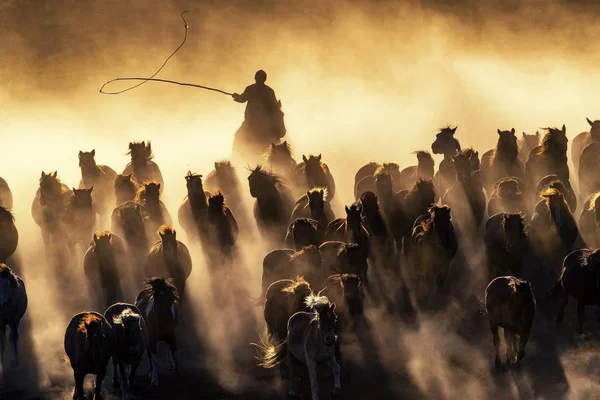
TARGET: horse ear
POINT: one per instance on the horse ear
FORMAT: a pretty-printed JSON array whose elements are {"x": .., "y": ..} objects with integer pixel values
[
  {"x": 110, "y": 237},
  {"x": 43, "y": 174},
  {"x": 80, "y": 153},
  {"x": 524, "y": 135},
  {"x": 55, "y": 174},
  {"x": 347, "y": 209},
  {"x": 144, "y": 143},
  {"x": 589, "y": 122},
  {"x": 73, "y": 189},
  {"x": 91, "y": 189},
  {"x": 174, "y": 233},
  {"x": 537, "y": 134},
  {"x": 161, "y": 234},
  {"x": 512, "y": 131},
  {"x": 564, "y": 128},
  {"x": 304, "y": 158},
  {"x": 94, "y": 152},
  {"x": 499, "y": 131},
  {"x": 95, "y": 238},
  {"x": 319, "y": 157},
  {"x": 285, "y": 143},
  {"x": 454, "y": 130},
  {"x": 215, "y": 165},
  {"x": 158, "y": 186}
]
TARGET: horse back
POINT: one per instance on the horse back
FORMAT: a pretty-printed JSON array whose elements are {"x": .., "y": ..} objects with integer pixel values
[{"x": 336, "y": 230}]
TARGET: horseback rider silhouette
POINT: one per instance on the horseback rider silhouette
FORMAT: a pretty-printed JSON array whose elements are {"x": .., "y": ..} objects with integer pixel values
[{"x": 263, "y": 119}]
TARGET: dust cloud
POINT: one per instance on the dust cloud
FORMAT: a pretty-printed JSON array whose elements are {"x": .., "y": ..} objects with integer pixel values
[{"x": 359, "y": 81}]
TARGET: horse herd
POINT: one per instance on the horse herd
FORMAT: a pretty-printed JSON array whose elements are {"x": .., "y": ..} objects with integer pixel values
[{"x": 406, "y": 227}]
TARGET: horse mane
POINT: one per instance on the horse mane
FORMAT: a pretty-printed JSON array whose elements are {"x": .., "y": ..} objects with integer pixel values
[
  {"x": 316, "y": 301},
  {"x": 299, "y": 283},
  {"x": 593, "y": 199},
  {"x": 147, "y": 146},
  {"x": 166, "y": 229},
  {"x": 217, "y": 201},
  {"x": 317, "y": 189},
  {"x": 424, "y": 155},
  {"x": 508, "y": 216},
  {"x": 7, "y": 273},
  {"x": 547, "y": 140},
  {"x": 501, "y": 146},
  {"x": 191, "y": 174},
  {"x": 125, "y": 316},
  {"x": 421, "y": 183},
  {"x": 447, "y": 128},
  {"x": 164, "y": 283},
  {"x": 518, "y": 285},
  {"x": 86, "y": 321},
  {"x": 225, "y": 164},
  {"x": 272, "y": 177},
  {"x": 103, "y": 233},
  {"x": 285, "y": 146},
  {"x": 6, "y": 214},
  {"x": 141, "y": 193}
]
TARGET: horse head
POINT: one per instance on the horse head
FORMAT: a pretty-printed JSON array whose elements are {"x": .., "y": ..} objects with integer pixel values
[
  {"x": 507, "y": 146},
  {"x": 163, "y": 297},
  {"x": 91, "y": 327},
  {"x": 325, "y": 314},
  {"x": 262, "y": 182},
  {"x": 82, "y": 198},
  {"x": 194, "y": 185},
  {"x": 384, "y": 184},
  {"x": 87, "y": 159},
  {"x": 140, "y": 152},
  {"x": 555, "y": 141},
  {"x": 225, "y": 173},
  {"x": 594, "y": 129},
  {"x": 354, "y": 216},
  {"x": 316, "y": 201},
  {"x": 513, "y": 227},
  {"x": 352, "y": 294},
  {"x": 128, "y": 331},
  {"x": 354, "y": 257},
  {"x": 168, "y": 238},
  {"x": 50, "y": 187},
  {"x": 441, "y": 216},
  {"x": 555, "y": 203},
  {"x": 280, "y": 152},
  {"x": 445, "y": 143},
  {"x": 369, "y": 203},
  {"x": 529, "y": 141},
  {"x": 463, "y": 166},
  {"x": 103, "y": 242}
]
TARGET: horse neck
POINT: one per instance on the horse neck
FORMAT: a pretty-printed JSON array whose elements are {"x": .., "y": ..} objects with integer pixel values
[
  {"x": 425, "y": 171},
  {"x": 556, "y": 154},
  {"x": 316, "y": 177},
  {"x": 269, "y": 201},
  {"x": 318, "y": 214},
  {"x": 171, "y": 258},
  {"x": 442, "y": 233},
  {"x": 89, "y": 172}
]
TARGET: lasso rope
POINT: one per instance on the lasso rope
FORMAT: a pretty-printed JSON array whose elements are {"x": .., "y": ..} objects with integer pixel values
[{"x": 151, "y": 78}]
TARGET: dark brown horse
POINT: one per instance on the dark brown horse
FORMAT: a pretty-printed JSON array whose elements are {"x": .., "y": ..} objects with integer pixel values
[
  {"x": 193, "y": 211},
  {"x": 141, "y": 166},
  {"x": 48, "y": 208},
  {"x": 275, "y": 266},
  {"x": 80, "y": 219},
  {"x": 316, "y": 174},
  {"x": 222, "y": 231},
  {"x": 502, "y": 161},
  {"x": 9, "y": 236},
  {"x": 424, "y": 170},
  {"x": 554, "y": 182},
  {"x": 304, "y": 232},
  {"x": 526, "y": 143},
  {"x": 280, "y": 160},
  {"x": 13, "y": 305},
  {"x": 382, "y": 241},
  {"x": 315, "y": 205},
  {"x": 508, "y": 197},
  {"x": 445, "y": 143},
  {"x": 584, "y": 139},
  {"x": 125, "y": 188},
  {"x": 100, "y": 177},
  {"x": 365, "y": 177},
  {"x": 155, "y": 211},
  {"x": 350, "y": 229},
  {"x": 128, "y": 223},
  {"x": 89, "y": 344},
  {"x": 506, "y": 244},
  {"x": 550, "y": 157}
]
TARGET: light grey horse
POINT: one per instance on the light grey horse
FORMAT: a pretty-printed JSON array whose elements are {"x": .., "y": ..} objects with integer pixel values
[
  {"x": 310, "y": 339},
  {"x": 13, "y": 304}
]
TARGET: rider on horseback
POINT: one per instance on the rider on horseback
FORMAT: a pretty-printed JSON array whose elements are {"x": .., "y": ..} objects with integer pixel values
[{"x": 261, "y": 98}]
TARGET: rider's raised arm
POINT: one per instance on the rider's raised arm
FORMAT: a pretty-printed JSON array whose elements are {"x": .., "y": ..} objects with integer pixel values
[{"x": 241, "y": 98}]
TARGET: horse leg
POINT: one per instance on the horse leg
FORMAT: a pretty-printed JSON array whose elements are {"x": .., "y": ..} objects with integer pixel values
[
  {"x": 99, "y": 378},
  {"x": 580, "y": 315},
  {"x": 509, "y": 342},
  {"x": 523, "y": 338},
  {"x": 564, "y": 299},
  {"x": 79, "y": 377},
  {"x": 14, "y": 339},
  {"x": 311, "y": 366},
  {"x": 2, "y": 341},
  {"x": 174, "y": 353},
  {"x": 295, "y": 370},
  {"x": 132, "y": 370},
  {"x": 337, "y": 385},
  {"x": 123, "y": 372},
  {"x": 115, "y": 378},
  {"x": 496, "y": 339},
  {"x": 152, "y": 356}
]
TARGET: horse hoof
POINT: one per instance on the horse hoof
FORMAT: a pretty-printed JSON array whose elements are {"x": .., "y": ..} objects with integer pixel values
[{"x": 336, "y": 392}]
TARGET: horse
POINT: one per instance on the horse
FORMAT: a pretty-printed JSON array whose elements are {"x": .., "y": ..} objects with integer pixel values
[
  {"x": 445, "y": 143},
  {"x": 141, "y": 166},
  {"x": 508, "y": 197},
  {"x": 273, "y": 205},
  {"x": 503, "y": 161},
  {"x": 89, "y": 345},
  {"x": 526, "y": 143},
  {"x": 317, "y": 174},
  {"x": 315, "y": 205},
  {"x": 466, "y": 195},
  {"x": 304, "y": 232},
  {"x": 222, "y": 230},
  {"x": 279, "y": 159},
  {"x": 171, "y": 258},
  {"x": 384, "y": 189},
  {"x": 310, "y": 339},
  {"x": 159, "y": 303},
  {"x": 553, "y": 181},
  {"x": 382, "y": 241},
  {"x": 350, "y": 229},
  {"x": 553, "y": 230},
  {"x": 510, "y": 304},
  {"x": 128, "y": 223},
  {"x": 589, "y": 220},
  {"x": 125, "y": 188},
  {"x": 101, "y": 177},
  {"x": 13, "y": 305},
  {"x": 550, "y": 157},
  {"x": 283, "y": 299},
  {"x": 588, "y": 169},
  {"x": 424, "y": 170},
  {"x": 105, "y": 264},
  {"x": 506, "y": 244},
  {"x": 9, "y": 235},
  {"x": 275, "y": 265},
  {"x": 582, "y": 140},
  {"x": 80, "y": 219},
  {"x": 192, "y": 214},
  {"x": 365, "y": 177},
  {"x": 580, "y": 279},
  {"x": 434, "y": 246},
  {"x": 6, "y": 197},
  {"x": 155, "y": 211},
  {"x": 48, "y": 208},
  {"x": 131, "y": 341},
  {"x": 344, "y": 258}
]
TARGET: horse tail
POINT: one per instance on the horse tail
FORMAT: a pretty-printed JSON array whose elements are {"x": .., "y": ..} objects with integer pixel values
[
  {"x": 271, "y": 355},
  {"x": 556, "y": 291}
]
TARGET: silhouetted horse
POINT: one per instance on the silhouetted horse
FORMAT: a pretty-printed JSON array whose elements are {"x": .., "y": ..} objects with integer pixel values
[
  {"x": 125, "y": 188},
  {"x": 553, "y": 181},
  {"x": 102, "y": 178},
  {"x": 445, "y": 144},
  {"x": 580, "y": 279},
  {"x": 384, "y": 189},
  {"x": 48, "y": 208},
  {"x": 466, "y": 196},
  {"x": 510, "y": 304},
  {"x": 9, "y": 236},
  {"x": 382, "y": 241},
  {"x": 316, "y": 174},
  {"x": 315, "y": 205},
  {"x": 582, "y": 140},
  {"x": 89, "y": 342},
  {"x": 128, "y": 223},
  {"x": 275, "y": 266},
  {"x": 159, "y": 303},
  {"x": 13, "y": 305},
  {"x": 502, "y": 161},
  {"x": 193, "y": 211},
  {"x": 508, "y": 197},
  {"x": 155, "y": 211},
  {"x": 553, "y": 230},
  {"x": 225, "y": 180},
  {"x": 222, "y": 231},
  {"x": 304, "y": 232},
  {"x": 589, "y": 220},
  {"x": 434, "y": 246},
  {"x": 526, "y": 143},
  {"x": 6, "y": 197},
  {"x": 80, "y": 219},
  {"x": 589, "y": 163},
  {"x": 131, "y": 341},
  {"x": 310, "y": 339},
  {"x": 424, "y": 170},
  {"x": 506, "y": 244},
  {"x": 105, "y": 264},
  {"x": 364, "y": 179},
  {"x": 273, "y": 206},
  {"x": 350, "y": 229},
  {"x": 343, "y": 258},
  {"x": 550, "y": 157},
  {"x": 280, "y": 160},
  {"x": 141, "y": 166},
  {"x": 170, "y": 258},
  {"x": 307, "y": 262}
]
